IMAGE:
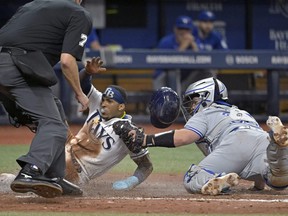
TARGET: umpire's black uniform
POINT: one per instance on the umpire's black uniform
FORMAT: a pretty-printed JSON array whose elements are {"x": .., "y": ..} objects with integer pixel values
[{"x": 53, "y": 27}]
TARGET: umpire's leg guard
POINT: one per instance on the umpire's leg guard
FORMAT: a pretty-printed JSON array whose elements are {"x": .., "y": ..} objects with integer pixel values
[{"x": 276, "y": 175}]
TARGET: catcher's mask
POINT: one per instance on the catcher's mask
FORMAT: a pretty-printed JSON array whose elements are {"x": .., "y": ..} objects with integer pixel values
[
  {"x": 202, "y": 94},
  {"x": 164, "y": 107}
]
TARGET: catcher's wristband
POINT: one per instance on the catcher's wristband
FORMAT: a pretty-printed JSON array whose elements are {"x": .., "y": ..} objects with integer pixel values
[{"x": 165, "y": 139}]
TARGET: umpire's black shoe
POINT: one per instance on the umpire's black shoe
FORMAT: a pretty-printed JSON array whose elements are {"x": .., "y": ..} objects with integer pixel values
[
  {"x": 69, "y": 189},
  {"x": 30, "y": 179}
]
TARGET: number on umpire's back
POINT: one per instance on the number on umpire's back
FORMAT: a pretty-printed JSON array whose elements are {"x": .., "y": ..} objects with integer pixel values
[{"x": 83, "y": 41}]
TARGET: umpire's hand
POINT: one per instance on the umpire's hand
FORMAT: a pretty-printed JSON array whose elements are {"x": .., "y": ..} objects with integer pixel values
[{"x": 83, "y": 100}]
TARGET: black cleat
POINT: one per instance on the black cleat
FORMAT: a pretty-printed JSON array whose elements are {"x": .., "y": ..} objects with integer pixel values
[
  {"x": 28, "y": 180},
  {"x": 70, "y": 189}
]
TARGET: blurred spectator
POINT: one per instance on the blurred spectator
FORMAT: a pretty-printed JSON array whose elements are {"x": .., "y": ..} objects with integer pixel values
[
  {"x": 208, "y": 38},
  {"x": 93, "y": 41},
  {"x": 182, "y": 40}
]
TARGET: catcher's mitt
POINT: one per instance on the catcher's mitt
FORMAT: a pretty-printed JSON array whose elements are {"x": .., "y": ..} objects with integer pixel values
[{"x": 131, "y": 135}]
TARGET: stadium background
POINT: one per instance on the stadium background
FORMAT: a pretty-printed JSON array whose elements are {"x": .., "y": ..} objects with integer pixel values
[{"x": 246, "y": 25}]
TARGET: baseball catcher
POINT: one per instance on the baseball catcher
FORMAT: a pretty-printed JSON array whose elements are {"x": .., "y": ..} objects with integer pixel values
[{"x": 234, "y": 144}]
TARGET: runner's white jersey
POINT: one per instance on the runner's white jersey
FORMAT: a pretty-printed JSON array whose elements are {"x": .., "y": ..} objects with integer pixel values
[{"x": 113, "y": 150}]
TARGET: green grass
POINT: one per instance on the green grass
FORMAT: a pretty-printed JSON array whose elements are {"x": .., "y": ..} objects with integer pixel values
[
  {"x": 8, "y": 156},
  {"x": 166, "y": 160},
  {"x": 176, "y": 160}
]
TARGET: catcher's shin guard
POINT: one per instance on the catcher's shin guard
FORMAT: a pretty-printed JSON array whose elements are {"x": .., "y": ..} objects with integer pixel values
[{"x": 277, "y": 173}]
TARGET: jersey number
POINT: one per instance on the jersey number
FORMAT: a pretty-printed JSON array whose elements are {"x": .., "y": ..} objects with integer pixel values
[
  {"x": 83, "y": 41},
  {"x": 237, "y": 114}
]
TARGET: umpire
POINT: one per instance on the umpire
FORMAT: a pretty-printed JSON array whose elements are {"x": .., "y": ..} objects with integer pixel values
[{"x": 40, "y": 34}]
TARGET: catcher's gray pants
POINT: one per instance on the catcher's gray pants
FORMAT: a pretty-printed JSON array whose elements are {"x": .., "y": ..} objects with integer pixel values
[
  {"x": 47, "y": 148},
  {"x": 242, "y": 152}
]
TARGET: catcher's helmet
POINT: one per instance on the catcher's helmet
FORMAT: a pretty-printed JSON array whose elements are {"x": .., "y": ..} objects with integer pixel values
[
  {"x": 164, "y": 107},
  {"x": 207, "y": 91}
]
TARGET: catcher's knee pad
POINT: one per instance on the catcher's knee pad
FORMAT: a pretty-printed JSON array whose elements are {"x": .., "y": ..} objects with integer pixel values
[
  {"x": 276, "y": 175},
  {"x": 196, "y": 177}
]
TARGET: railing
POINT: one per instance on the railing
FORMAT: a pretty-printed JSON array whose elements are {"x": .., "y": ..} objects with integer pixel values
[{"x": 273, "y": 61}]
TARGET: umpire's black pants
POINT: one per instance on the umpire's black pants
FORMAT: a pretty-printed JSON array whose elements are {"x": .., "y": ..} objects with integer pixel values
[{"x": 47, "y": 150}]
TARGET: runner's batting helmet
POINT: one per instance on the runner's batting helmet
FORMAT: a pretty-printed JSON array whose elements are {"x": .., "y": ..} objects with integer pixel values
[{"x": 164, "y": 107}]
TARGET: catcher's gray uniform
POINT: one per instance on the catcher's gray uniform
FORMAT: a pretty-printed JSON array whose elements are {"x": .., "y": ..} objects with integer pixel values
[{"x": 232, "y": 141}]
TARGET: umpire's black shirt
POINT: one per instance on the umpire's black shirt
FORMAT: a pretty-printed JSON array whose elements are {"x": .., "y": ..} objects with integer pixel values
[{"x": 52, "y": 26}]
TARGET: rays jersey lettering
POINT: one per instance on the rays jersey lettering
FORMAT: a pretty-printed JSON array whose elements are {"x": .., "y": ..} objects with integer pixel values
[{"x": 102, "y": 132}]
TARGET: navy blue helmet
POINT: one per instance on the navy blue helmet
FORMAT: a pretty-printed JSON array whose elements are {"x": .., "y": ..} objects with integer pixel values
[{"x": 164, "y": 107}]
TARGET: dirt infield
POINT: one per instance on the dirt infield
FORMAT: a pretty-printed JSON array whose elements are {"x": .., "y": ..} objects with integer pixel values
[{"x": 161, "y": 193}]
